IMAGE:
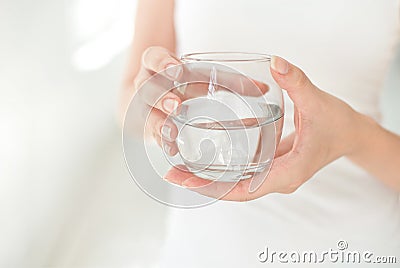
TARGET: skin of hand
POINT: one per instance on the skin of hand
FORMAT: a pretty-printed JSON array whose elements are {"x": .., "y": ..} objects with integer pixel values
[
  {"x": 153, "y": 96},
  {"x": 326, "y": 128},
  {"x": 154, "y": 60}
]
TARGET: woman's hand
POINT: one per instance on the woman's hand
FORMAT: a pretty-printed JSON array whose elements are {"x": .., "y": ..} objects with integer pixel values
[
  {"x": 326, "y": 128},
  {"x": 151, "y": 103},
  {"x": 157, "y": 97}
]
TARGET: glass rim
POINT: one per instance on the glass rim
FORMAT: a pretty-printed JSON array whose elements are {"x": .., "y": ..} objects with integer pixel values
[{"x": 226, "y": 56}]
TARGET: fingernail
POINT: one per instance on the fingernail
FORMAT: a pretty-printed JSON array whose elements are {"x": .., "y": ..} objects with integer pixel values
[
  {"x": 170, "y": 105},
  {"x": 279, "y": 65},
  {"x": 173, "y": 71},
  {"x": 166, "y": 132}
]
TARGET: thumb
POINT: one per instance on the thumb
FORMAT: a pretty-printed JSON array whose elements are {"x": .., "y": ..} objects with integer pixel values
[{"x": 293, "y": 80}]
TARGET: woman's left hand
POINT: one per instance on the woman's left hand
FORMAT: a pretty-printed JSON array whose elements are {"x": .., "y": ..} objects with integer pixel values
[{"x": 326, "y": 128}]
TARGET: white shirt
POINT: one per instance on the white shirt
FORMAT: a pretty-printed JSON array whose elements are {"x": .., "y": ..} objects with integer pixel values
[{"x": 345, "y": 47}]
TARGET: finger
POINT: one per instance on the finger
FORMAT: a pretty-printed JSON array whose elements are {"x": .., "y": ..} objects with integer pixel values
[
  {"x": 170, "y": 148},
  {"x": 293, "y": 80},
  {"x": 159, "y": 127},
  {"x": 216, "y": 189},
  {"x": 285, "y": 176},
  {"x": 153, "y": 124},
  {"x": 169, "y": 133},
  {"x": 156, "y": 91},
  {"x": 157, "y": 59},
  {"x": 181, "y": 176},
  {"x": 141, "y": 77},
  {"x": 195, "y": 84},
  {"x": 230, "y": 191},
  {"x": 285, "y": 145},
  {"x": 178, "y": 174},
  {"x": 159, "y": 98}
]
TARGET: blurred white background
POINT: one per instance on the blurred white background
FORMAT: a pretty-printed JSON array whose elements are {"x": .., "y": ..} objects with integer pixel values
[{"x": 66, "y": 198}]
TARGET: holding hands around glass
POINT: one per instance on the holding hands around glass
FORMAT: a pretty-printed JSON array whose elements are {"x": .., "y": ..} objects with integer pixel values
[{"x": 326, "y": 128}]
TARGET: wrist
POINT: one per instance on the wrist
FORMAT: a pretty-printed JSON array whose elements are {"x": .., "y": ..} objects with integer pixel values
[{"x": 365, "y": 132}]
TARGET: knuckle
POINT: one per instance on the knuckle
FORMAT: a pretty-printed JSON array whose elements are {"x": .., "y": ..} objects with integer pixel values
[
  {"x": 137, "y": 83},
  {"x": 148, "y": 52},
  {"x": 154, "y": 57},
  {"x": 156, "y": 133},
  {"x": 245, "y": 198},
  {"x": 157, "y": 138},
  {"x": 241, "y": 189},
  {"x": 243, "y": 192},
  {"x": 302, "y": 81},
  {"x": 292, "y": 187}
]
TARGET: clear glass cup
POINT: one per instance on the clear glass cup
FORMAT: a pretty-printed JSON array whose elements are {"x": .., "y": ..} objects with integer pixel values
[{"x": 231, "y": 116}]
